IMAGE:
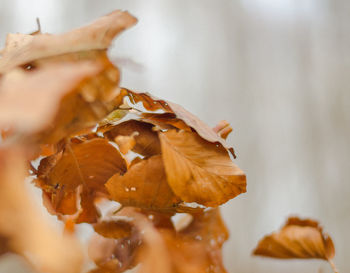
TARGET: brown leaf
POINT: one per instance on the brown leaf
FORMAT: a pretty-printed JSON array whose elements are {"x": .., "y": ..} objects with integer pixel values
[
  {"x": 29, "y": 233},
  {"x": 209, "y": 229},
  {"x": 165, "y": 121},
  {"x": 152, "y": 104},
  {"x": 101, "y": 251},
  {"x": 22, "y": 49},
  {"x": 199, "y": 171},
  {"x": 143, "y": 185},
  {"x": 201, "y": 128},
  {"x": 113, "y": 229},
  {"x": 302, "y": 239},
  {"x": 90, "y": 164},
  {"x": 195, "y": 249},
  {"x": 30, "y": 102},
  {"x": 149, "y": 102},
  {"x": 77, "y": 107},
  {"x": 147, "y": 141},
  {"x": 114, "y": 255},
  {"x": 4, "y": 247}
]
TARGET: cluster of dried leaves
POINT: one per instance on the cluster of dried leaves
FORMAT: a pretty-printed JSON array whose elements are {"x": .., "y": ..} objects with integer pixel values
[{"x": 61, "y": 106}]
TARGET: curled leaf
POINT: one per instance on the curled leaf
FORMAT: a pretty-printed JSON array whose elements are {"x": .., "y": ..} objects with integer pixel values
[
  {"x": 301, "y": 239},
  {"x": 188, "y": 120},
  {"x": 22, "y": 49}
]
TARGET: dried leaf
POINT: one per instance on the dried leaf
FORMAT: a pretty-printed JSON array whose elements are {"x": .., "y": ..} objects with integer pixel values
[
  {"x": 302, "y": 239},
  {"x": 152, "y": 104},
  {"x": 165, "y": 121},
  {"x": 149, "y": 102},
  {"x": 113, "y": 229},
  {"x": 21, "y": 221},
  {"x": 195, "y": 249},
  {"x": 114, "y": 255},
  {"x": 90, "y": 164},
  {"x": 30, "y": 102},
  {"x": 199, "y": 171},
  {"x": 22, "y": 49},
  {"x": 101, "y": 251},
  {"x": 147, "y": 141},
  {"x": 209, "y": 228},
  {"x": 143, "y": 185}
]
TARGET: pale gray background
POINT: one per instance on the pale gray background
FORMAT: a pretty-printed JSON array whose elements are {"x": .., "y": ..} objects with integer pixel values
[{"x": 277, "y": 70}]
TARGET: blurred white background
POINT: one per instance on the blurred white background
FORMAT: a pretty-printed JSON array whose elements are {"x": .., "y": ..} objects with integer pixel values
[{"x": 277, "y": 70}]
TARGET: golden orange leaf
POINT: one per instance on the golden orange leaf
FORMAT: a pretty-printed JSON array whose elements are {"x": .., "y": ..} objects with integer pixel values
[
  {"x": 195, "y": 249},
  {"x": 89, "y": 164},
  {"x": 143, "y": 185},
  {"x": 298, "y": 239},
  {"x": 146, "y": 140},
  {"x": 188, "y": 119},
  {"x": 198, "y": 170}
]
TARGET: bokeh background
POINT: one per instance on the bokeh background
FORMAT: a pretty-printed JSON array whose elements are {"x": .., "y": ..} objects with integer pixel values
[{"x": 277, "y": 70}]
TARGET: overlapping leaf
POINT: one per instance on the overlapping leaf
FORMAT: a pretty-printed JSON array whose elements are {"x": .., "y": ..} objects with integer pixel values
[
  {"x": 153, "y": 104},
  {"x": 63, "y": 86},
  {"x": 88, "y": 164},
  {"x": 144, "y": 185},
  {"x": 146, "y": 140},
  {"x": 197, "y": 164},
  {"x": 196, "y": 248}
]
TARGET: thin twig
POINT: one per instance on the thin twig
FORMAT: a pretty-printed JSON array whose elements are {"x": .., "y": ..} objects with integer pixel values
[
  {"x": 38, "y": 24},
  {"x": 335, "y": 270}
]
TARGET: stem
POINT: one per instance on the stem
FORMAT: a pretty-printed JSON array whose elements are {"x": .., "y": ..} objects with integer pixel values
[{"x": 335, "y": 270}]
